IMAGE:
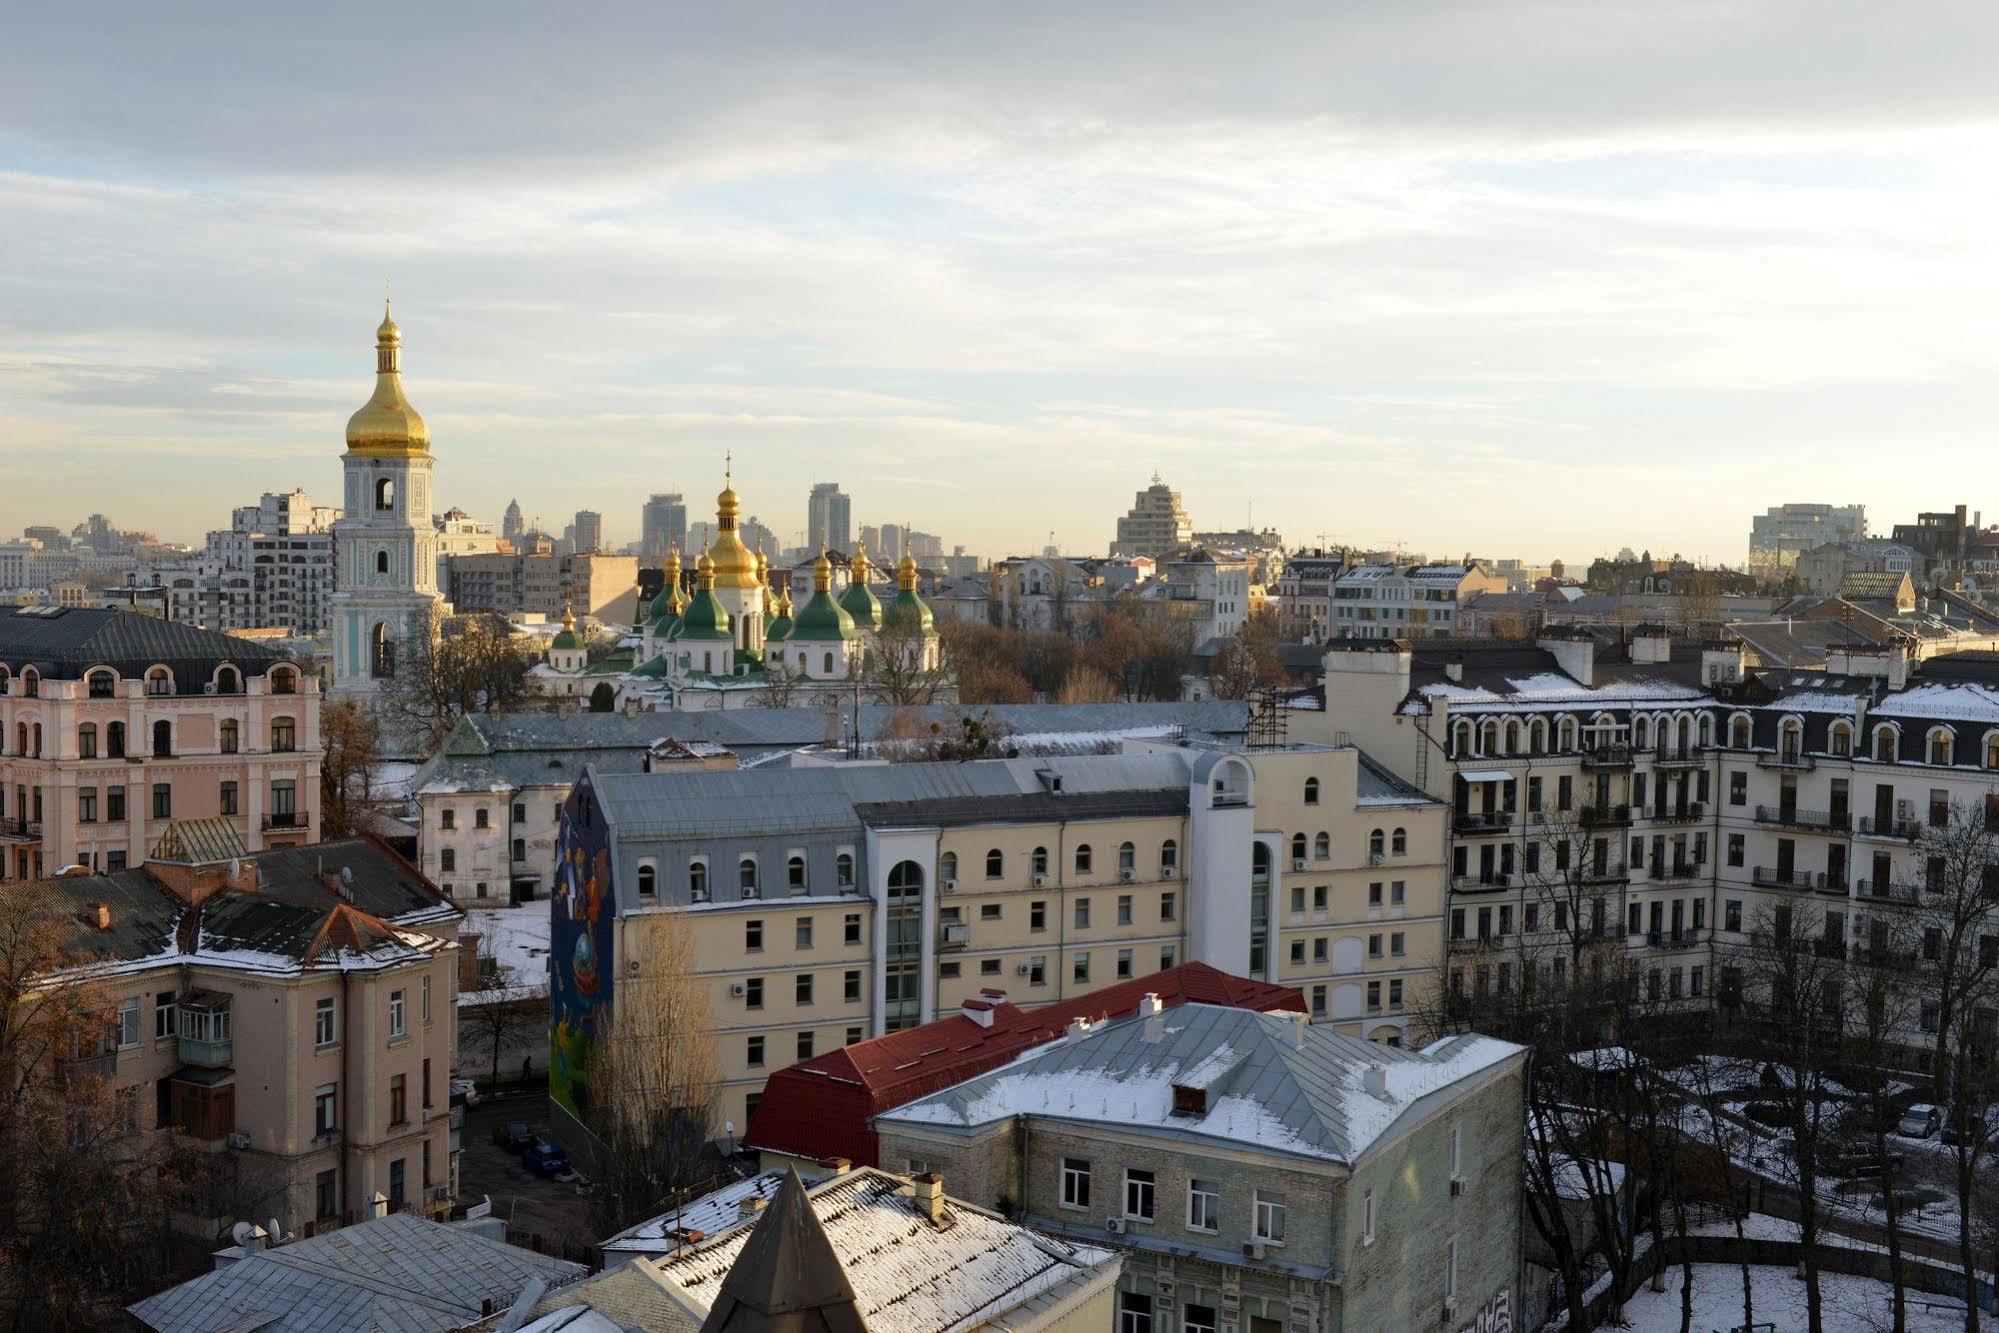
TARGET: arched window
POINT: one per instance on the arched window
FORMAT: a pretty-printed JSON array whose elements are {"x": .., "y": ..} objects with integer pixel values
[
  {"x": 381, "y": 562},
  {"x": 284, "y": 735},
  {"x": 1169, "y": 858},
  {"x": 229, "y": 737},
  {"x": 1941, "y": 747},
  {"x": 103, "y": 685},
  {"x": 21, "y": 738},
  {"x": 1322, "y": 847},
  {"x": 38, "y": 740},
  {"x": 1488, "y": 736},
  {"x": 1791, "y": 740},
  {"x": 697, "y": 881},
  {"x": 1297, "y": 847},
  {"x": 1885, "y": 737},
  {"x": 1038, "y": 862},
  {"x": 163, "y": 739},
  {"x": 1840, "y": 739},
  {"x": 1738, "y": 732},
  {"x": 1537, "y": 736},
  {"x": 648, "y": 882},
  {"x": 385, "y": 493},
  {"x": 114, "y": 740},
  {"x": 829, "y": 664},
  {"x": 86, "y": 741},
  {"x": 1641, "y": 733},
  {"x": 843, "y": 870},
  {"x": 1311, "y": 791},
  {"x": 381, "y": 652},
  {"x": 1461, "y": 738},
  {"x": 1399, "y": 843},
  {"x": 1992, "y": 749},
  {"x": 284, "y": 681},
  {"x": 159, "y": 681},
  {"x": 1512, "y": 736},
  {"x": 1082, "y": 858},
  {"x": 947, "y": 867},
  {"x": 1704, "y": 730},
  {"x": 794, "y": 874},
  {"x": 228, "y": 680},
  {"x": 1127, "y": 860},
  {"x": 995, "y": 863},
  {"x": 1567, "y": 735},
  {"x": 746, "y": 876},
  {"x": 1375, "y": 843},
  {"x": 31, "y": 683}
]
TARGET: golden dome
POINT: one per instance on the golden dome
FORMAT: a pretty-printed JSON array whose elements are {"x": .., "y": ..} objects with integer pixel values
[
  {"x": 860, "y": 567},
  {"x": 387, "y": 426},
  {"x": 735, "y": 564},
  {"x": 822, "y": 572},
  {"x": 905, "y": 573},
  {"x": 704, "y": 573}
]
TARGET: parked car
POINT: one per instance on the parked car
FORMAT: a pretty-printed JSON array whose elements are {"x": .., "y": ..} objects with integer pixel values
[
  {"x": 1850, "y": 1160},
  {"x": 514, "y": 1135},
  {"x": 1989, "y": 1127},
  {"x": 465, "y": 1090},
  {"x": 1920, "y": 1121},
  {"x": 545, "y": 1159}
]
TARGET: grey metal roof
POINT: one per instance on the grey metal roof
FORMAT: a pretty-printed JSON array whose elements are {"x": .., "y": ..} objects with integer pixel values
[
  {"x": 1028, "y": 807},
  {"x": 401, "y": 1273},
  {"x": 64, "y": 641}
]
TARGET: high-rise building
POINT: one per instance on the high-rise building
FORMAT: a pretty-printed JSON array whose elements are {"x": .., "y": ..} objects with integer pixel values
[
  {"x": 829, "y": 518},
  {"x": 871, "y": 537},
  {"x": 663, "y": 525},
  {"x": 1777, "y": 537},
  {"x": 589, "y": 531},
  {"x": 513, "y": 525},
  {"x": 1157, "y": 524},
  {"x": 385, "y": 547}
]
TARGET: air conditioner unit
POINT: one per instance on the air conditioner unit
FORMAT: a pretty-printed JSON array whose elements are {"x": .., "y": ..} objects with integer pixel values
[
  {"x": 1905, "y": 809},
  {"x": 239, "y": 1140},
  {"x": 1166, "y": 872},
  {"x": 1115, "y": 1226},
  {"x": 1459, "y": 1185},
  {"x": 1040, "y": 880},
  {"x": 950, "y": 885},
  {"x": 1022, "y": 970},
  {"x": 1252, "y": 1249},
  {"x": 738, "y": 990},
  {"x": 209, "y": 688},
  {"x": 1297, "y": 863},
  {"x": 1374, "y": 859},
  {"x": 1127, "y": 875}
]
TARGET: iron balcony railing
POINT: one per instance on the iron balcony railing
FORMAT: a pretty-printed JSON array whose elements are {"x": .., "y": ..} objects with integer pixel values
[
  {"x": 1690, "y": 756},
  {"x": 1607, "y": 756},
  {"x": 1774, "y": 877},
  {"x": 1482, "y": 821},
  {"x": 1868, "y": 826},
  {"x": 1693, "y": 812},
  {"x": 1821, "y": 821},
  {"x": 1605, "y": 816},
  {"x": 1790, "y": 759}
]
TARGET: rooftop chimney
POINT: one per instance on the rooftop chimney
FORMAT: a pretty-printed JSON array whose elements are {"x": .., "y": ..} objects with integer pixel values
[
  {"x": 980, "y": 1011},
  {"x": 1454, "y": 670},
  {"x": 1151, "y": 1005},
  {"x": 1299, "y": 1022},
  {"x": 100, "y": 916},
  {"x": 930, "y": 1197},
  {"x": 835, "y": 1166},
  {"x": 751, "y": 1206},
  {"x": 1374, "y": 1080},
  {"x": 378, "y": 1205},
  {"x": 1079, "y": 1027}
]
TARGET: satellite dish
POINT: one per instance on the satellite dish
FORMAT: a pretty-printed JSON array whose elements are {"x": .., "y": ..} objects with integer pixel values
[
  {"x": 277, "y": 1231},
  {"x": 243, "y": 1233}
]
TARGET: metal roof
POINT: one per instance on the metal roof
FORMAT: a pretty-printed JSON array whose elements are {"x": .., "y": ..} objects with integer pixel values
[{"x": 65, "y": 641}]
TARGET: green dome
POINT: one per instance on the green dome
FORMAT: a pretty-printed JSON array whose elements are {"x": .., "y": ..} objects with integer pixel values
[
  {"x": 566, "y": 639},
  {"x": 860, "y": 602},
  {"x": 822, "y": 621},
  {"x": 907, "y": 608},
  {"x": 777, "y": 629},
  {"x": 705, "y": 619},
  {"x": 656, "y": 669}
]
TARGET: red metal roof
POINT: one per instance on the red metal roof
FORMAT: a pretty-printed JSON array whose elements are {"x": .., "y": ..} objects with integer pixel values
[{"x": 821, "y": 1107}]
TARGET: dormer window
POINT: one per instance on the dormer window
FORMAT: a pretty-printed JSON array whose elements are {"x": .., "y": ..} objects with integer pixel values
[{"x": 1189, "y": 1101}]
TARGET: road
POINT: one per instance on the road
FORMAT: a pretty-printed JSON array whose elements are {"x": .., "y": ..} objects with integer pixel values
[{"x": 558, "y": 1212}]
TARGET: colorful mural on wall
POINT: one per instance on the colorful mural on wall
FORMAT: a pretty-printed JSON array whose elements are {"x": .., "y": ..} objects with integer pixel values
[{"x": 580, "y": 989}]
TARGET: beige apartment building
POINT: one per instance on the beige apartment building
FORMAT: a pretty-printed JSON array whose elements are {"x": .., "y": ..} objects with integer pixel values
[
  {"x": 602, "y": 587},
  {"x": 829, "y": 903},
  {"x": 113, "y": 725},
  {"x": 291, "y": 1011}
]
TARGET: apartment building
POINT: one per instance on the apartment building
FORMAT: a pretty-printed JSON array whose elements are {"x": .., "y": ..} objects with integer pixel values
[
  {"x": 1680, "y": 799},
  {"x": 1778, "y": 536},
  {"x": 603, "y": 587},
  {"x": 1305, "y": 593},
  {"x": 1213, "y": 587},
  {"x": 1260, "y": 1173},
  {"x": 1406, "y": 601},
  {"x": 113, "y": 724},
  {"x": 831, "y": 903},
  {"x": 1156, "y": 525},
  {"x": 291, "y": 1009}
]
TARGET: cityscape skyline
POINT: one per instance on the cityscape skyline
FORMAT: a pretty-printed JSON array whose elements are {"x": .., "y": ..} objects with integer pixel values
[{"x": 1367, "y": 305}]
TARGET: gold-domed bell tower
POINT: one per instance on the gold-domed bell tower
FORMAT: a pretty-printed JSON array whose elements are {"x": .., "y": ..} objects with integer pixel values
[{"x": 738, "y": 580}]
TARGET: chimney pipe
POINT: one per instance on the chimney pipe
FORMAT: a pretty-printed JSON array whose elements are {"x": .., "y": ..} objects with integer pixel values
[
  {"x": 751, "y": 1206},
  {"x": 930, "y": 1194},
  {"x": 1375, "y": 1080}
]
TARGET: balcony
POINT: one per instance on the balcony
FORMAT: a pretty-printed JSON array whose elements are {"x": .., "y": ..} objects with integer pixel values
[
  {"x": 206, "y": 1026},
  {"x": 1606, "y": 816},
  {"x": 1829, "y": 883},
  {"x": 1796, "y": 761},
  {"x": 1484, "y": 883},
  {"x": 283, "y": 819},
  {"x": 1607, "y": 756},
  {"x": 1816, "y": 821},
  {"x": 1680, "y": 872},
  {"x": 1471, "y": 944},
  {"x": 1908, "y": 830},
  {"x": 1687, "y": 937},
  {"x": 207, "y": 1053},
  {"x": 1771, "y": 877},
  {"x": 1885, "y": 891},
  {"x": 1693, "y": 812},
  {"x": 1692, "y": 756},
  {"x": 1482, "y": 821},
  {"x": 91, "y": 1066},
  {"x": 1606, "y": 873},
  {"x": 21, "y": 830}
]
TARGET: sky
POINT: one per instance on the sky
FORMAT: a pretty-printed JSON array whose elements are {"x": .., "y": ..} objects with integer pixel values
[{"x": 1515, "y": 278}]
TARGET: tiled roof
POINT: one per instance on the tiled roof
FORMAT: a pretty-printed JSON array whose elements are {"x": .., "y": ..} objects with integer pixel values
[
  {"x": 820, "y": 1108},
  {"x": 400, "y": 1273},
  {"x": 63, "y": 641}
]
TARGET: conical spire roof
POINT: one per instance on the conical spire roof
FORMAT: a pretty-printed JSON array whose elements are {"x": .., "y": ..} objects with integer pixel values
[{"x": 787, "y": 1277}]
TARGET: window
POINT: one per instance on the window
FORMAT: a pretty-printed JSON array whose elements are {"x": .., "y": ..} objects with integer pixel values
[
  {"x": 989, "y": 967},
  {"x": 1375, "y": 845},
  {"x": 1732, "y": 914},
  {"x": 163, "y": 1015},
  {"x": 851, "y": 986},
  {"x": 86, "y": 805},
  {"x": 753, "y": 993},
  {"x": 995, "y": 864},
  {"x": 1167, "y": 956},
  {"x": 753, "y": 1052},
  {"x": 1322, "y": 847},
  {"x": 648, "y": 876},
  {"x": 114, "y": 806},
  {"x": 1037, "y": 970},
  {"x": 1735, "y": 849},
  {"x": 1168, "y": 907},
  {"x": 163, "y": 800},
  {"x": 1270, "y": 1217},
  {"x": 1399, "y": 842},
  {"x": 794, "y": 874},
  {"x": 1367, "y": 1218},
  {"x": 1311, "y": 791},
  {"x": 284, "y": 802},
  {"x": 128, "y": 1023},
  {"x": 1082, "y": 966},
  {"x": 1124, "y": 964},
  {"x": 425, "y": 992},
  {"x": 1297, "y": 847},
  {"x": 1038, "y": 862},
  {"x": 1204, "y": 1206},
  {"x": 398, "y": 1025},
  {"x": 325, "y": 1109},
  {"x": 1037, "y": 916},
  {"x": 801, "y": 987},
  {"x": 1451, "y": 1270},
  {"x": 284, "y": 740},
  {"x": 990, "y": 911},
  {"x": 1124, "y": 909},
  {"x": 1083, "y": 858},
  {"x": 854, "y": 1036},
  {"x": 325, "y": 1024},
  {"x": 1395, "y": 949},
  {"x": 852, "y": 928},
  {"x": 843, "y": 870},
  {"x": 447, "y": 818},
  {"x": 447, "y": 860},
  {"x": 746, "y": 876},
  {"x": 158, "y": 682},
  {"x": 1127, "y": 861},
  {"x": 804, "y": 1046},
  {"x": 1169, "y": 858},
  {"x": 947, "y": 867},
  {"x": 228, "y": 797},
  {"x": 1134, "y": 1312},
  {"x": 326, "y": 1194},
  {"x": 1075, "y": 1183},
  {"x": 1082, "y": 913},
  {"x": 1199, "y": 1319},
  {"x": 1138, "y": 1186},
  {"x": 481, "y": 816},
  {"x": 86, "y": 741},
  {"x": 163, "y": 739},
  {"x": 399, "y": 1107},
  {"x": 802, "y": 933}
]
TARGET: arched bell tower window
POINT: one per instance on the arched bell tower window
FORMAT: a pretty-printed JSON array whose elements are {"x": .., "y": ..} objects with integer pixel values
[
  {"x": 385, "y": 493},
  {"x": 381, "y": 652},
  {"x": 381, "y": 562}
]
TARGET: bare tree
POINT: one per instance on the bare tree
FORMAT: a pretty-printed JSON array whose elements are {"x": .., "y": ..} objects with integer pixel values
[
  {"x": 353, "y": 745},
  {"x": 498, "y": 1014},
  {"x": 900, "y": 668},
  {"x": 780, "y": 687},
  {"x": 656, "y": 1075},
  {"x": 470, "y": 664}
]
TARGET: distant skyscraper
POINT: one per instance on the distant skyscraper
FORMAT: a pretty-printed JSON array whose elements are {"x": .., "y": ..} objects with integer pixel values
[
  {"x": 663, "y": 525},
  {"x": 589, "y": 531},
  {"x": 1778, "y": 536},
  {"x": 513, "y": 525},
  {"x": 829, "y": 516},
  {"x": 1156, "y": 525},
  {"x": 871, "y": 537}
]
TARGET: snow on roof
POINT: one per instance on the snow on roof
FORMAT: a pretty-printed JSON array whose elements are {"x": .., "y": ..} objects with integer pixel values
[
  {"x": 1549, "y": 689},
  {"x": 1955, "y": 701},
  {"x": 908, "y": 1274},
  {"x": 517, "y": 939},
  {"x": 711, "y": 1215},
  {"x": 1287, "y": 1087}
]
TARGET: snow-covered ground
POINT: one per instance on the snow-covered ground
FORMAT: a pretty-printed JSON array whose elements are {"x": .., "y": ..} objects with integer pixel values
[
  {"x": 517, "y": 938},
  {"x": 1849, "y": 1304}
]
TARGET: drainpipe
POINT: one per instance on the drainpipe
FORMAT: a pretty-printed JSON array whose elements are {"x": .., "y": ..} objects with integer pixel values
[
  {"x": 1020, "y": 1132},
  {"x": 343, "y": 1108}
]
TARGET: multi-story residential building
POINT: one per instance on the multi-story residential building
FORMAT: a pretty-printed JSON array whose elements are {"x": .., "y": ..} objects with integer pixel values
[
  {"x": 1305, "y": 593},
  {"x": 588, "y": 530},
  {"x": 1778, "y": 536},
  {"x": 114, "y": 724},
  {"x": 1261, "y": 1174},
  {"x": 829, "y": 518},
  {"x": 662, "y": 525},
  {"x": 1413, "y": 601},
  {"x": 1157, "y": 524},
  {"x": 830, "y": 903},
  {"x": 458, "y": 533},
  {"x": 1214, "y": 587},
  {"x": 1944, "y": 540},
  {"x": 271, "y": 569},
  {"x": 1678, "y": 798},
  {"x": 512, "y": 523},
  {"x": 291, "y": 1008},
  {"x": 603, "y": 587},
  {"x": 1823, "y": 569}
]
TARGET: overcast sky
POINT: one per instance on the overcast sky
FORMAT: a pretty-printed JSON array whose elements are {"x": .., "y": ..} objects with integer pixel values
[{"x": 1525, "y": 279}]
